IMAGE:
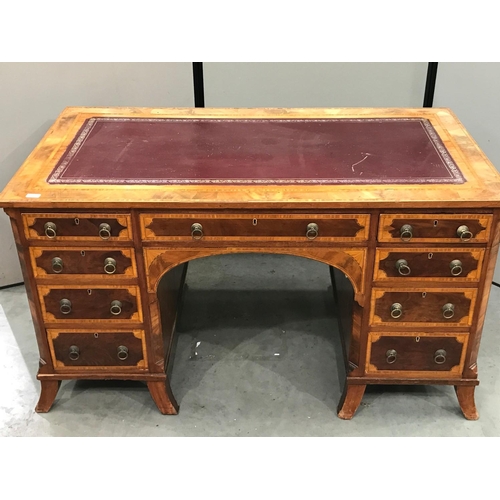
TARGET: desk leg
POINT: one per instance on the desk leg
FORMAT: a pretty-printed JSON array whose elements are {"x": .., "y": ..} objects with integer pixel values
[
  {"x": 163, "y": 397},
  {"x": 350, "y": 400},
  {"x": 47, "y": 395},
  {"x": 465, "y": 395}
]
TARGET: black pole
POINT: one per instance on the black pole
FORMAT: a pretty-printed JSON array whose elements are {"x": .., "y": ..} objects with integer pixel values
[
  {"x": 430, "y": 84},
  {"x": 199, "y": 91}
]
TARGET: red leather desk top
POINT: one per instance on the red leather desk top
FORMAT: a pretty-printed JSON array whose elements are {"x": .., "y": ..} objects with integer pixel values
[{"x": 263, "y": 151}]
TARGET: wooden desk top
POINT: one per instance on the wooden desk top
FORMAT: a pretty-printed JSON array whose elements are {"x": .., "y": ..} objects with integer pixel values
[{"x": 67, "y": 170}]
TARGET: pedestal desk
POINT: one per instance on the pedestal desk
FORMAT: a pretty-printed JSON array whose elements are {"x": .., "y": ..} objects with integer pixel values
[{"x": 114, "y": 202}]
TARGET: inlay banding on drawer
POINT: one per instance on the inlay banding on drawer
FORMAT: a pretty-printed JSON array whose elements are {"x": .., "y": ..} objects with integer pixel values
[
  {"x": 77, "y": 227},
  {"x": 429, "y": 264},
  {"x": 197, "y": 228},
  {"x": 417, "y": 354},
  {"x": 420, "y": 306},
  {"x": 83, "y": 263},
  {"x": 434, "y": 228},
  {"x": 90, "y": 304},
  {"x": 74, "y": 349}
]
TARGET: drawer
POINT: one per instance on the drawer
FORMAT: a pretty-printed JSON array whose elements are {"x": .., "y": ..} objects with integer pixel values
[
  {"x": 446, "y": 264},
  {"x": 434, "y": 228},
  {"x": 86, "y": 304},
  {"x": 237, "y": 227},
  {"x": 77, "y": 227},
  {"x": 78, "y": 349},
  {"x": 425, "y": 354},
  {"x": 61, "y": 261},
  {"x": 420, "y": 306}
]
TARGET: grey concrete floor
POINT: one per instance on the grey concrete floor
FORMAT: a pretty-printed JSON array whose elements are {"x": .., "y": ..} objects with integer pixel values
[{"x": 257, "y": 354}]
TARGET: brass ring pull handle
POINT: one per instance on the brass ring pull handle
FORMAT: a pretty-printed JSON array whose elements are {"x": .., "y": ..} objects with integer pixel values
[
  {"x": 464, "y": 234},
  {"x": 440, "y": 356},
  {"x": 396, "y": 310},
  {"x": 456, "y": 267},
  {"x": 403, "y": 267},
  {"x": 50, "y": 230},
  {"x": 197, "y": 231},
  {"x": 122, "y": 353},
  {"x": 65, "y": 306},
  {"x": 391, "y": 356},
  {"x": 116, "y": 308},
  {"x": 312, "y": 231},
  {"x": 448, "y": 311},
  {"x": 74, "y": 352},
  {"x": 109, "y": 265},
  {"x": 406, "y": 232},
  {"x": 105, "y": 231},
  {"x": 57, "y": 265}
]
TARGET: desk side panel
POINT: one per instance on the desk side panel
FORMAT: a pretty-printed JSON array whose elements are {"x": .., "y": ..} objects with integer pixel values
[{"x": 45, "y": 362}]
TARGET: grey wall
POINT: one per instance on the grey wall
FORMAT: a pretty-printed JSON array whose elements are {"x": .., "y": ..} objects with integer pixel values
[
  {"x": 471, "y": 90},
  {"x": 314, "y": 84},
  {"x": 33, "y": 94}
]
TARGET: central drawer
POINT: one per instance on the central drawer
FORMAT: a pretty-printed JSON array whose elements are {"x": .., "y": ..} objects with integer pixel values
[
  {"x": 88, "y": 304},
  {"x": 264, "y": 227}
]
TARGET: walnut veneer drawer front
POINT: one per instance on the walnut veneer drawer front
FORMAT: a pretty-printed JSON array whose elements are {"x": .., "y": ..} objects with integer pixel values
[
  {"x": 427, "y": 264},
  {"x": 424, "y": 353},
  {"x": 233, "y": 227},
  {"x": 61, "y": 261},
  {"x": 418, "y": 306},
  {"x": 77, "y": 349},
  {"x": 434, "y": 228},
  {"x": 77, "y": 227},
  {"x": 86, "y": 304}
]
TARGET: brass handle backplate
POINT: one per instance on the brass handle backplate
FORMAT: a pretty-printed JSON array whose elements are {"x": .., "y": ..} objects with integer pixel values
[
  {"x": 403, "y": 267},
  {"x": 57, "y": 265},
  {"x": 65, "y": 306},
  {"x": 50, "y": 230},
  {"x": 122, "y": 353},
  {"x": 197, "y": 231},
  {"x": 312, "y": 231},
  {"x": 464, "y": 234},
  {"x": 391, "y": 356},
  {"x": 116, "y": 308},
  {"x": 440, "y": 356},
  {"x": 105, "y": 231},
  {"x": 448, "y": 311},
  {"x": 396, "y": 310},
  {"x": 109, "y": 265},
  {"x": 406, "y": 232},
  {"x": 74, "y": 352},
  {"x": 456, "y": 267}
]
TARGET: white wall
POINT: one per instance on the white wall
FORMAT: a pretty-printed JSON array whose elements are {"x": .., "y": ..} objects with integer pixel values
[
  {"x": 314, "y": 84},
  {"x": 471, "y": 90},
  {"x": 33, "y": 94}
]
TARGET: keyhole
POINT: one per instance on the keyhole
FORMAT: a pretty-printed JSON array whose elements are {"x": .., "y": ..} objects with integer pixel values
[
  {"x": 96, "y": 335},
  {"x": 77, "y": 221},
  {"x": 430, "y": 255},
  {"x": 435, "y": 223},
  {"x": 417, "y": 339},
  {"x": 89, "y": 292},
  {"x": 254, "y": 222},
  {"x": 424, "y": 294},
  {"x": 82, "y": 253}
]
